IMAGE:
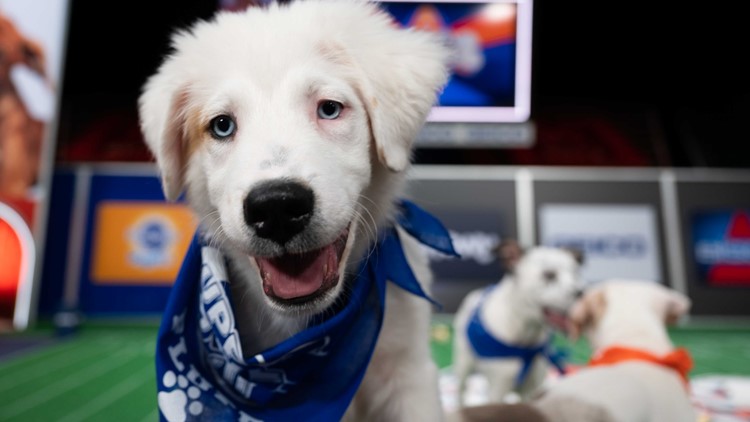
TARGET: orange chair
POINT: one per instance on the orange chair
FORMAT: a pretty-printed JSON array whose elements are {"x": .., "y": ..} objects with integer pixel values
[{"x": 17, "y": 255}]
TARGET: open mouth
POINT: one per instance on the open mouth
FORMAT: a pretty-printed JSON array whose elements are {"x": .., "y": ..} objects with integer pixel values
[
  {"x": 296, "y": 279},
  {"x": 555, "y": 318}
]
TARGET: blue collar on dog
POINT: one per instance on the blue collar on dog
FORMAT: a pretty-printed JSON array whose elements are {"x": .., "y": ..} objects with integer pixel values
[
  {"x": 312, "y": 376},
  {"x": 488, "y": 346}
]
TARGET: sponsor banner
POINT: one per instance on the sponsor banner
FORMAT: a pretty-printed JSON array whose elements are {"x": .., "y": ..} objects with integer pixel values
[
  {"x": 127, "y": 218},
  {"x": 721, "y": 247},
  {"x": 475, "y": 235},
  {"x": 140, "y": 242},
  {"x": 618, "y": 240}
]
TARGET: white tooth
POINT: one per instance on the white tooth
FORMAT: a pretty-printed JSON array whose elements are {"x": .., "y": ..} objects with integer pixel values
[{"x": 325, "y": 268}]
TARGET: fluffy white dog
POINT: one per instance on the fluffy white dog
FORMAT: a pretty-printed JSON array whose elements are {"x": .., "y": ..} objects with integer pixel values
[
  {"x": 290, "y": 129},
  {"x": 636, "y": 375},
  {"x": 503, "y": 332}
]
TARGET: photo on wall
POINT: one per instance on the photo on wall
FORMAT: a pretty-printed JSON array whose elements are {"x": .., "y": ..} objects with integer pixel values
[{"x": 32, "y": 40}]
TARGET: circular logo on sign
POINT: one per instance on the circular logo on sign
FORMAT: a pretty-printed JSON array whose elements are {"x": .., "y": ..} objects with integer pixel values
[{"x": 152, "y": 240}]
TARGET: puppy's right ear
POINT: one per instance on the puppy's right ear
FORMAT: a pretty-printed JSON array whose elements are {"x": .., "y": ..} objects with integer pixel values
[
  {"x": 509, "y": 252},
  {"x": 677, "y": 305},
  {"x": 162, "y": 107},
  {"x": 579, "y": 317},
  {"x": 585, "y": 312}
]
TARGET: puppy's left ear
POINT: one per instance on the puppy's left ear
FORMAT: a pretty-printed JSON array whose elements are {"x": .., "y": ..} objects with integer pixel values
[
  {"x": 403, "y": 69},
  {"x": 577, "y": 253},
  {"x": 678, "y": 305}
]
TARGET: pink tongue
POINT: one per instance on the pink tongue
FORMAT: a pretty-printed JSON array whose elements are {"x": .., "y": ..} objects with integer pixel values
[
  {"x": 293, "y": 276},
  {"x": 556, "y": 319}
]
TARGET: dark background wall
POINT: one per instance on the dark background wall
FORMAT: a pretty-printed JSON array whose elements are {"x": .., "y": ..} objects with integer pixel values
[{"x": 686, "y": 61}]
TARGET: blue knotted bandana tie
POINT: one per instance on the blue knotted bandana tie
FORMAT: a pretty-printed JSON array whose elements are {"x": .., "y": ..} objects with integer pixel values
[
  {"x": 488, "y": 346},
  {"x": 312, "y": 376}
]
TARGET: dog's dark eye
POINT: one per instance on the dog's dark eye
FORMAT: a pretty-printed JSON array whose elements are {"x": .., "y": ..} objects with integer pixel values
[
  {"x": 549, "y": 276},
  {"x": 329, "y": 110},
  {"x": 222, "y": 127}
]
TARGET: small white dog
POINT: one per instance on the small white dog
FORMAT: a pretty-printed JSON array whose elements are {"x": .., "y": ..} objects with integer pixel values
[
  {"x": 636, "y": 374},
  {"x": 503, "y": 332},
  {"x": 290, "y": 129}
]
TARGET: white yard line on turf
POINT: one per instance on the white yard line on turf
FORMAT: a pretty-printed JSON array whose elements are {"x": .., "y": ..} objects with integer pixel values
[
  {"x": 153, "y": 416},
  {"x": 66, "y": 384},
  {"x": 17, "y": 359},
  {"x": 118, "y": 391},
  {"x": 47, "y": 367}
]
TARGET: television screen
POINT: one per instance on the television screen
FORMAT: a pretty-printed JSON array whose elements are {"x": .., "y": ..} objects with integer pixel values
[
  {"x": 491, "y": 61},
  {"x": 721, "y": 247}
]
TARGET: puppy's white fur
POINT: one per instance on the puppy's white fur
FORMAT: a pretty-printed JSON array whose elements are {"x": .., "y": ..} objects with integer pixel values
[
  {"x": 269, "y": 69},
  {"x": 628, "y": 313},
  {"x": 513, "y": 312}
]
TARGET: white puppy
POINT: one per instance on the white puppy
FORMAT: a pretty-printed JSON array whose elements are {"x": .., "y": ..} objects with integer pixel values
[
  {"x": 503, "y": 332},
  {"x": 637, "y": 375},
  {"x": 290, "y": 129}
]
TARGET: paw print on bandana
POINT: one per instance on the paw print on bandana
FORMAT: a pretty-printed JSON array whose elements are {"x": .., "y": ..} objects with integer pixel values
[{"x": 176, "y": 404}]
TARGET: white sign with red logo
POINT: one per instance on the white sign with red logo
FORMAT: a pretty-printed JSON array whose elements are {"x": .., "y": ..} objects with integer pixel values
[{"x": 619, "y": 241}]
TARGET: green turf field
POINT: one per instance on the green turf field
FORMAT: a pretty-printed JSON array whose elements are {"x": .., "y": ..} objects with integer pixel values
[{"x": 106, "y": 371}]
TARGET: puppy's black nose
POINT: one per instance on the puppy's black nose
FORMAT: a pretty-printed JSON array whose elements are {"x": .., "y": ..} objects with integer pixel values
[
  {"x": 578, "y": 293},
  {"x": 279, "y": 209}
]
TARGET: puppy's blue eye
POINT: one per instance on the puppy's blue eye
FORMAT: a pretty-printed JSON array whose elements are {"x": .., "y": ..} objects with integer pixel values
[
  {"x": 329, "y": 109},
  {"x": 222, "y": 127}
]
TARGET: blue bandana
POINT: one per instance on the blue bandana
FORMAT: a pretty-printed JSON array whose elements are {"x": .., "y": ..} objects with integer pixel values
[
  {"x": 488, "y": 346},
  {"x": 203, "y": 375}
]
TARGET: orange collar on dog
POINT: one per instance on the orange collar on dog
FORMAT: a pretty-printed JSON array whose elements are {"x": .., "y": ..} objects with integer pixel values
[{"x": 679, "y": 359}]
